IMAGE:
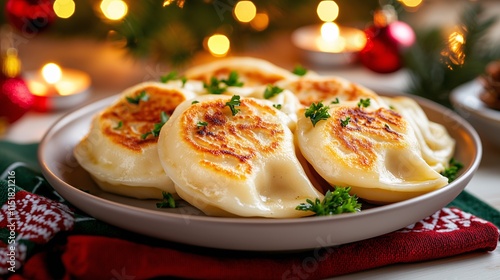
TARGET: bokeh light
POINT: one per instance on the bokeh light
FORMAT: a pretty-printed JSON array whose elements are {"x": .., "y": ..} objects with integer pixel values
[
  {"x": 260, "y": 21},
  {"x": 64, "y": 8},
  {"x": 245, "y": 11},
  {"x": 114, "y": 9},
  {"x": 218, "y": 45},
  {"x": 51, "y": 73},
  {"x": 327, "y": 10}
]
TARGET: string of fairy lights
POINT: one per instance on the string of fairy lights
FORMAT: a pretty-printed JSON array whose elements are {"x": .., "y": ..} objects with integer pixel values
[{"x": 245, "y": 12}]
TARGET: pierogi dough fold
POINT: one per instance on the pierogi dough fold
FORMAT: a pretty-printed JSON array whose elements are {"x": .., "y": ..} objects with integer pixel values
[
  {"x": 120, "y": 152},
  {"x": 251, "y": 71},
  {"x": 373, "y": 150},
  {"x": 436, "y": 145},
  {"x": 234, "y": 165}
]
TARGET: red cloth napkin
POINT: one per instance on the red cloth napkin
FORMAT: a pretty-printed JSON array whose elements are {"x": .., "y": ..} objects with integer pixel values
[{"x": 448, "y": 232}]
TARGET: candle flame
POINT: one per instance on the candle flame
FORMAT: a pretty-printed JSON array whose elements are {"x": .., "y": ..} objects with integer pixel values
[{"x": 51, "y": 73}]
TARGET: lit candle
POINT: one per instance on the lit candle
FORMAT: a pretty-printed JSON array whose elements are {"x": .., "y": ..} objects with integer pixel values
[
  {"x": 55, "y": 88},
  {"x": 329, "y": 43}
]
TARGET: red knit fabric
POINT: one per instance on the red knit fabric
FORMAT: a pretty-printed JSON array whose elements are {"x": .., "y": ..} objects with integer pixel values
[{"x": 448, "y": 232}]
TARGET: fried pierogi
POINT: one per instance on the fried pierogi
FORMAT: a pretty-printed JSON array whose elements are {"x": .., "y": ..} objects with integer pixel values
[
  {"x": 251, "y": 72},
  {"x": 328, "y": 89},
  {"x": 234, "y": 160},
  {"x": 436, "y": 145},
  {"x": 373, "y": 150},
  {"x": 120, "y": 150}
]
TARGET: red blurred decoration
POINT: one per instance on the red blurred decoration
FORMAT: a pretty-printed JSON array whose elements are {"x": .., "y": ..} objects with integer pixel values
[
  {"x": 30, "y": 16},
  {"x": 15, "y": 99},
  {"x": 387, "y": 38}
]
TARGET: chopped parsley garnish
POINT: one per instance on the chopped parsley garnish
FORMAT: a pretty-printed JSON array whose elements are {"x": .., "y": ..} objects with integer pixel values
[
  {"x": 157, "y": 127},
  {"x": 143, "y": 96},
  {"x": 232, "y": 80},
  {"x": 271, "y": 91},
  {"x": 335, "y": 202},
  {"x": 214, "y": 87},
  {"x": 169, "y": 77},
  {"x": 167, "y": 202},
  {"x": 392, "y": 107},
  {"x": 201, "y": 124},
  {"x": 387, "y": 126},
  {"x": 364, "y": 102},
  {"x": 277, "y": 106},
  {"x": 317, "y": 112},
  {"x": 235, "y": 101},
  {"x": 118, "y": 125},
  {"x": 345, "y": 122},
  {"x": 195, "y": 101},
  {"x": 452, "y": 171},
  {"x": 336, "y": 101},
  {"x": 299, "y": 70}
]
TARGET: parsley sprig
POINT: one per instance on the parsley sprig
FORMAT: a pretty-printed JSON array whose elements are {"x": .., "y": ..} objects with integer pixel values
[
  {"x": 217, "y": 86},
  {"x": 167, "y": 202},
  {"x": 299, "y": 70},
  {"x": 235, "y": 101},
  {"x": 271, "y": 91},
  {"x": 335, "y": 202},
  {"x": 452, "y": 171},
  {"x": 345, "y": 122},
  {"x": 157, "y": 127},
  {"x": 173, "y": 75},
  {"x": 317, "y": 112},
  {"x": 142, "y": 96},
  {"x": 364, "y": 102}
]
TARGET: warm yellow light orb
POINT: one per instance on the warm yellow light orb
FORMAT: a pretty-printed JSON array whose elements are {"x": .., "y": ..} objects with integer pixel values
[
  {"x": 64, "y": 8},
  {"x": 51, "y": 73},
  {"x": 327, "y": 10},
  {"x": 411, "y": 3},
  {"x": 260, "y": 22},
  {"x": 245, "y": 11},
  {"x": 114, "y": 9},
  {"x": 218, "y": 45}
]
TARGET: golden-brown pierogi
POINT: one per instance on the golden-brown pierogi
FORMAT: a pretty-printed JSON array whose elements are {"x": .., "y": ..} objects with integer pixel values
[{"x": 120, "y": 150}]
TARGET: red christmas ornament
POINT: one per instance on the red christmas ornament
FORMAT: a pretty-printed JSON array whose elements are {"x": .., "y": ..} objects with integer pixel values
[
  {"x": 386, "y": 39},
  {"x": 30, "y": 16},
  {"x": 15, "y": 99}
]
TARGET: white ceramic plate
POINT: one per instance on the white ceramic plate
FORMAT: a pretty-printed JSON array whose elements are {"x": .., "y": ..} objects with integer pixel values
[
  {"x": 187, "y": 225},
  {"x": 466, "y": 101}
]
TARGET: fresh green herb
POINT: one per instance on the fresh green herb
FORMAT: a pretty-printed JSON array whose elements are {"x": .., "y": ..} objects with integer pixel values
[
  {"x": 299, "y": 70},
  {"x": 452, "y": 171},
  {"x": 214, "y": 87},
  {"x": 201, "y": 124},
  {"x": 119, "y": 125},
  {"x": 387, "y": 126},
  {"x": 169, "y": 77},
  {"x": 272, "y": 91},
  {"x": 345, "y": 122},
  {"x": 235, "y": 101},
  {"x": 195, "y": 101},
  {"x": 392, "y": 107},
  {"x": 157, "y": 127},
  {"x": 317, "y": 112},
  {"x": 364, "y": 102},
  {"x": 183, "y": 80},
  {"x": 336, "y": 101},
  {"x": 277, "y": 106},
  {"x": 232, "y": 80},
  {"x": 336, "y": 202},
  {"x": 143, "y": 96},
  {"x": 167, "y": 202}
]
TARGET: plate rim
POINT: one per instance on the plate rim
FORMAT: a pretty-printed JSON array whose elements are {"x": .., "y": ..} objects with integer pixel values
[{"x": 236, "y": 221}]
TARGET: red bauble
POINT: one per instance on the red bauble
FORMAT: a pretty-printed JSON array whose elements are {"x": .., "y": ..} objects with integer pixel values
[
  {"x": 386, "y": 39},
  {"x": 15, "y": 99},
  {"x": 30, "y": 16}
]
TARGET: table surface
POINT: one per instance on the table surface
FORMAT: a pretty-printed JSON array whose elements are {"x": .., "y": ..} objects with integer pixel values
[{"x": 111, "y": 72}]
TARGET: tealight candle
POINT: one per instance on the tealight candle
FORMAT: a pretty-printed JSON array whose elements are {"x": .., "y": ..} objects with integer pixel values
[
  {"x": 56, "y": 88},
  {"x": 329, "y": 44}
]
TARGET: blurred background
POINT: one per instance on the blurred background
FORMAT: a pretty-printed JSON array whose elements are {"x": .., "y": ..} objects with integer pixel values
[{"x": 422, "y": 47}]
